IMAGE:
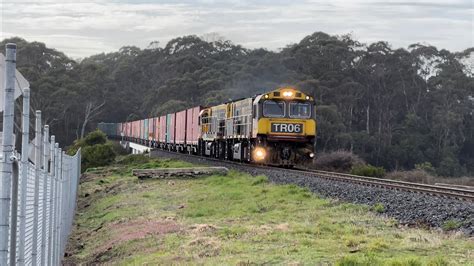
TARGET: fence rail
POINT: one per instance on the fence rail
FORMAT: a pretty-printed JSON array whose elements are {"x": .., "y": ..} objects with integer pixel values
[{"x": 37, "y": 193}]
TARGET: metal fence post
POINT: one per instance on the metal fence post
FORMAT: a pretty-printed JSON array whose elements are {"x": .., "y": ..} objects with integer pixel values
[
  {"x": 38, "y": 149},
  {"x": 65, "y": 202},
  {"x": 52, "y": 153},
  {"x": 7, "y": 146},
  {"x": 45, "y": 193},
  {"x": 59, "y": 212},
  {"x": 55, "y": 203},
  {"x": 63, "y": 205},
  {"x": 25, "y": 145}
]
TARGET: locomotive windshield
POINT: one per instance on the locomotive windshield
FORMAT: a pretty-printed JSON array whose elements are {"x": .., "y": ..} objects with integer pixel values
[
  {"x": 300, "y": 110},
  {"x": 273, "y": 109}
]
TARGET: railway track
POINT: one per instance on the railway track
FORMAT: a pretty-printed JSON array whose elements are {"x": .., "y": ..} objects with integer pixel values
[{"x": 435, "y": 190}]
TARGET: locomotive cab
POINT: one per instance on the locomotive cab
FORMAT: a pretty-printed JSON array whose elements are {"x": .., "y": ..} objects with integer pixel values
[{"x": 284, "y": 127}]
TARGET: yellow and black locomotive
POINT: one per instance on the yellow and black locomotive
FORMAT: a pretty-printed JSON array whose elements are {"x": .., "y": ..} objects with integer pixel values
[{"x": 277, "y": 128}]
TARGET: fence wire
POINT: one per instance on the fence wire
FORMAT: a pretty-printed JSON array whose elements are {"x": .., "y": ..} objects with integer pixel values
[{"x": 38, "y": 187}]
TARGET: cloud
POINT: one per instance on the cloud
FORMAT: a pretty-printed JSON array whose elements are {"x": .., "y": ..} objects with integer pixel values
[{"x": 88, "y": 27}]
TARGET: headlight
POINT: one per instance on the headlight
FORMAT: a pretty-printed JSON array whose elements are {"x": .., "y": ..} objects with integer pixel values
[
  {"x": 287, "y": 94},
  {"x": 259, "y": 154},
  {"x": 311, "y": 155}
]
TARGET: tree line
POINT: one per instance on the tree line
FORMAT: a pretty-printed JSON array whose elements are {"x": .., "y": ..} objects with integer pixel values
[{"x": 393, "y": 107}]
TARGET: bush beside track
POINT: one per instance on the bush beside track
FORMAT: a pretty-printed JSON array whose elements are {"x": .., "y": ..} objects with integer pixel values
[{"x": 237, "y": 219}]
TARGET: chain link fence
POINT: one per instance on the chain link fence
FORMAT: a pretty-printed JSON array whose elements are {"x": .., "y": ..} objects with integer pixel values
[{"x": 38, "y": 186}]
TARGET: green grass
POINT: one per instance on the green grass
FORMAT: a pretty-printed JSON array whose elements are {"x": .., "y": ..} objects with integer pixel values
[
  {"x": 451, "y": 225},
  {"x": 379, "y": 207},
  {"x": 239, "y": 219}
]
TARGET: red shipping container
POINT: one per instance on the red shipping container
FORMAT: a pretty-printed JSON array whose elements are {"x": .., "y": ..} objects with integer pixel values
[
  {"x": 157, "y": 128},
  {"x": 136, "y": 129},
  {"x": 180, "y": 137},
  {"x": 127, "y": 129},
  {"x": 171, "y": 130},
  {"x": 162, "y": 129},
  {"x": 193, "y": 130},
  {"x": 151, "y": 128},
  {"x": 132, "y": 129}
]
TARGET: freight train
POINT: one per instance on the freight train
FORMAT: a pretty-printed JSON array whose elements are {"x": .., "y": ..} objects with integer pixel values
[{"x": 274, "y": 128}]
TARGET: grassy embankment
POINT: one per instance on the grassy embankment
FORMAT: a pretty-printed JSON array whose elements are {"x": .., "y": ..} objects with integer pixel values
[{"x": 238, "y": 219}]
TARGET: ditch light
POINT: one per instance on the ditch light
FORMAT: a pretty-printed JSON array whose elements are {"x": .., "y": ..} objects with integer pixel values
[{"x": 259, "y": 154}]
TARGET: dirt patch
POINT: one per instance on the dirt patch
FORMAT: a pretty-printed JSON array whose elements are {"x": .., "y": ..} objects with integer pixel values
[
  {"x": 133, "y": 230},
  {"x": 283, "y": 227},
  {"x": 139, "y": 229}
]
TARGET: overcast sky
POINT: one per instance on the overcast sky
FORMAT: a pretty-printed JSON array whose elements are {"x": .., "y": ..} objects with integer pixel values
[{"x": 82, "y": 28}]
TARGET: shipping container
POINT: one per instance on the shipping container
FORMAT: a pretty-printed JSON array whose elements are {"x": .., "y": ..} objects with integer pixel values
[
  {"x": 128, "y": 129},
  {"x": 151, "y": 128},
  {"x": 180, "y": 127},
  {"x": 193, "y": 130},
  {"x": 119, "y": 130},
  {"x": 170, "y": 128},
  {"x": 139, "y": 129},
  {"x": 156, "y": 130},
  {"x": 162, "y": 127},
  {"x": 145, "y": 129},
  {"x": 108, "y": 128},
  {"x": 136, "y": 129}
]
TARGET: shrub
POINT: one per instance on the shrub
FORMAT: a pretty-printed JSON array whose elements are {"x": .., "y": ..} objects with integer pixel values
[
  {"x": 426, "y": 166},
  {"x": 96, "y": 151},
  {"x": 421, "y": 176},
  {"x": 416, "y": 176},
  {"x": 97, "y": 155},
  {"x": 119, "y": 150},
  {"x": 93, "y": 138},
  {"x": 340, "y": 161},
  {"x": 368, "y": 170}
]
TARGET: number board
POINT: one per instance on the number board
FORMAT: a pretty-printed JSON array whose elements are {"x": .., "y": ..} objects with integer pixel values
[{"x": 287, "y": 128}]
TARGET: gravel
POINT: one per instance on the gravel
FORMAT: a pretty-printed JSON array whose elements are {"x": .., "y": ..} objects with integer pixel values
[{"x": 409, "y": 208}]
